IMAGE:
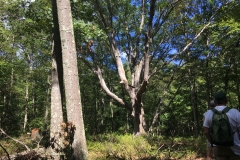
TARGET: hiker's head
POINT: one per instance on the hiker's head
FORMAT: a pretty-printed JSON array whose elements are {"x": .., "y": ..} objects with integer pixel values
[
  {"x": 220, "y": 98},
  {"x": 212, "y": 104}
]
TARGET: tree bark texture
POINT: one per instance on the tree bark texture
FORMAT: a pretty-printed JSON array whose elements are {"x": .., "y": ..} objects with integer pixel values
[
  {"x": 71, "y": 80},
  {"x": 56, "y": 103},
  {"x": 56, "y": 98}
]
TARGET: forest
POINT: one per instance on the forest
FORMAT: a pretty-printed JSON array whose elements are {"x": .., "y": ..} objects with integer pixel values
[{"x": 114, "y": 79}]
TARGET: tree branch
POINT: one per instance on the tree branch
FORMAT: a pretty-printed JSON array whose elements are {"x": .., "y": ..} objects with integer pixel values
[
  {"x": 183, "y": 50},
  {"x": 5, "y": 151},
  {"x": 28, "y": 149},
  {"x": 106, "y": 89}
]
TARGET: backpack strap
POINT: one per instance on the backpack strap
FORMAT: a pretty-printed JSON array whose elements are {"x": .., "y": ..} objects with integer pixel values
[
  {"x": 225, "y": 110},
  {"x": 215, "y": 111}
]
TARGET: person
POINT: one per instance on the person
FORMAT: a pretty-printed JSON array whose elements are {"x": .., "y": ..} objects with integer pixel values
[
  {"x": 209, "y": 147},
  {"x": 224, "y": 153}
]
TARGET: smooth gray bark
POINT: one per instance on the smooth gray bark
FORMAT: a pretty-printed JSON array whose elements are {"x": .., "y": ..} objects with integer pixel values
[{"x": 71, "y": 79}]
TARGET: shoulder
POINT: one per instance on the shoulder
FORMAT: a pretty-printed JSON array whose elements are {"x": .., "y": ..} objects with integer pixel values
[
  {"x": 234, "y": 112},
  {"x": 207, "y": 119},
  {"x": 208, "y": 114}
]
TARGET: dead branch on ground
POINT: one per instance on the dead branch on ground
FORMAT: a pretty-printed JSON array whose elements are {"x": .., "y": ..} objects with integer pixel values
[{"x": 1, "y": 131}]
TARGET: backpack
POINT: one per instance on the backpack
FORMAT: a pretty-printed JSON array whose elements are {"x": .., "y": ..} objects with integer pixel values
[{"x": 221, "y": 131}]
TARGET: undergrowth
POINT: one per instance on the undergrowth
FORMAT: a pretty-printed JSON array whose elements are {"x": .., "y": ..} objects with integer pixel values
[{"x": 127, "y": 147}]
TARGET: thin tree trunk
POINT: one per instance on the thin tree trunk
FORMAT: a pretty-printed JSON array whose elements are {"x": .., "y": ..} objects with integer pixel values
[
  {"x": 111, "y": 111},
  {"x": 208, "y": 77},
  {"x": 194, "y": 103},
  {"x": 27, "y": 91},
  {"x": 46, "y": 120},
  {"x": 10, "y": 92},
  {"x": 96, "y": 116},
  {"x": 226, "y": 78},
  {"x": 71, "y": 79},
  {"x": 161, "y": 100},
  {"x": 1, "y": 114},
  {"x": 26, "y": 107},
  {"x": 4, "y": 110},
  {"x": 238, "y": 86},
  {"x": 33, "y": 101},
  {"x": 102, "y": 115},
  {"x": 11, "y": 80}
]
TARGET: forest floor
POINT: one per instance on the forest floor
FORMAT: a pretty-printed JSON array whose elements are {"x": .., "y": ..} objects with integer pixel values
[
  {"x": 124, "y": 147},
  {"x": 39, "y": 154}
]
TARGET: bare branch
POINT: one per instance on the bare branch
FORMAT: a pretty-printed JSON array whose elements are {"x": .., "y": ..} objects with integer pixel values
[
  {"x": 101, "y": 14},
  {"x": 148, "y": 41},
  {"x": 121, "y": 71},
  {"x": 90, "y": 66},
  {"x": 184, "y": 49},
  {"x": 142, "y": 21},
  {"x": 151, "y": 13},
  {"x": 5, "y": 151},
  {"x": 28, "y": 149},
  {"x": 164, "y": 16},
  {"x": 110, "y": 13},
  {"x": 106, "y": 89}
]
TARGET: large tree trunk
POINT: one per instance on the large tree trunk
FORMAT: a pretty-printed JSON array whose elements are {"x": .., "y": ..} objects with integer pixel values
[
  {"x": 56, "y": 108},
  {"x": 56, "y": 91},
  {"x": 139, "y": 121},
  {"x": 71, "y": 80}
]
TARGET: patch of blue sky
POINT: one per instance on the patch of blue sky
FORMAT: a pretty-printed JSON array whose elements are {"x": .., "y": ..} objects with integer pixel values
[
  {"x": 123, "y": 56},
  {"x": 173, "y": 52}
]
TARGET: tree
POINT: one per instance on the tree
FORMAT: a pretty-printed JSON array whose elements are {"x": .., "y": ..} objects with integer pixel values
[
  {"x": 147, "y": 34},
  {"x": 71, "y": 80},
  {"x": 56, "y": 98}
]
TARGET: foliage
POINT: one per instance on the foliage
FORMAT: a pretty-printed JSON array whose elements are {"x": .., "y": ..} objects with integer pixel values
[{"x": 37, "y": 122}]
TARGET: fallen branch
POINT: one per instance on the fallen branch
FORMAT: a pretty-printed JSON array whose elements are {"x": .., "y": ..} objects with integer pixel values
[
  {"x": 5, "y": 151},
  {"x": 28, "y": 149}
]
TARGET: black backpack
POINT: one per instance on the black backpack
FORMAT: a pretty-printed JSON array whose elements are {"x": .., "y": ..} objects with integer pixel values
[{"x": 221, "y": 131}]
